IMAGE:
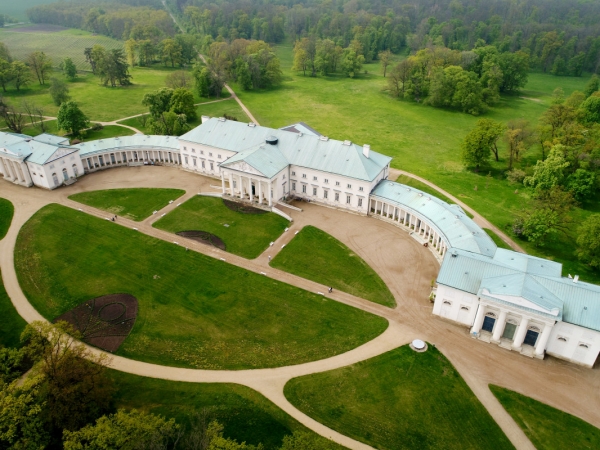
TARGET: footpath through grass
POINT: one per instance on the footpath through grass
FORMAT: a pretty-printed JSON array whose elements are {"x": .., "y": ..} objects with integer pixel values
[
  {"x": 246, "y": 235},
  {"x": 11, "y": 323},
  {"x": 7, "y": 211},
  {"x": 194, "y": 311},
  {"x": 548, "y": 428},
  {"x": 401, "y": 399},
  {"x": 246, "y": 414},
  {"x": 135, "y": 204},
  {"x": 318, "y": 256}
]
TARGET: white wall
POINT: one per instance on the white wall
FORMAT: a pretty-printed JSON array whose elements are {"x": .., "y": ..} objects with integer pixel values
[
  {"x": 43, "y": 174},
  {"x": 455, "y": 305},
  {"x": 202, "y": 153},
  {"x": 567, "y": 341}
]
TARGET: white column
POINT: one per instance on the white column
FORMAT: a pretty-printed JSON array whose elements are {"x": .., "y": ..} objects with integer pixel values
[
  {"x": 2, "y": 168},
  {"x": 260, "y": 192},
  {"x": 521, "y": 332},
  {"x": 478, "y": 319},
  {"x": 250, "y": 189},
  {"x": 499, "y": 326},
  {"x": 269, "y": 193},
  {"x": 223, "y": 182},
  {"x": 540, "y": 346},
  {"x": 231, "y": 184}
]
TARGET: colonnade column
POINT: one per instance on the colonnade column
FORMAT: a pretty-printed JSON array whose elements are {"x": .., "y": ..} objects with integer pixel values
[
  {"x": 222, "y": 182},
  {"x": 540, "y": 346},
  {"x": 478, "y": 319},
  {"x": 260, "y": 192},
  {"x": 2, "y": 167},
  {"x": 521, "y": 332},
  {"x": 231, "y": 184},
  {"x": 270, "y": 193},
  {"x": 499, "y": 326}
]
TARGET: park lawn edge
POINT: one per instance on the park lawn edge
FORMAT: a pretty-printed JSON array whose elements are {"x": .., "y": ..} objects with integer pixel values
[
  {"x": 559, "y": 429},
  {"x": 7, "y": 212},
  {"x": 11, "y": 323},
  {"x": 320, "y": 274}
]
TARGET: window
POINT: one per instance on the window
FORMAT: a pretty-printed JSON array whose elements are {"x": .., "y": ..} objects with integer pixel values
[
  {"x": 562, "y": 339},
  {"x": 348, "y": 199},
  {"x": 293, "y": 186},
  {"x": 284, "y": 176},
  {"x": 219, "y": 156},
  {"x": 304, "y": 188},
  {"x": 325, "y": 181},
  {"x": 193, "y": 150},
  {"x": 195, "y": 162},
  {"x": 349, "y": 186},
  {"x": 314, "y": 178},
  {"x": 360, "y": 202},
  {"x": 210, "y": 154},
  {"x": 186, "y": 160},
  {"x": 325, "y": 194},
  {"x": 584, "y": 345},
  {"x": 361, "y": 189},
  {"x": 203, "y": 164},
  {"x": 337, "y": 183},
  {"x": 211, "y": 166},
  {"x": 184, "y": 147},
  {"x": 293, "y": 173},
  {"x": 202, "y": 152},
  {"x": 314, "y": 191},
  {"x": 303, "y": 175},
  {"x": 337, "y": 196}
]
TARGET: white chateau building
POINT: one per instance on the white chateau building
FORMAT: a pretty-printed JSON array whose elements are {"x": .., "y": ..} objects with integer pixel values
[{"x": 519, "y": 302}]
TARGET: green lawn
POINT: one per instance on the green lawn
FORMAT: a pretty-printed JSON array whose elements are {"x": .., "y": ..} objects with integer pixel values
[
  {"x": 320, "y": 257},
  {"x": 246, "y": 235},
  {"x": 422, "y": 139},
  {"x": 7, "y": 211},
  {"x": 246, "y": 414},
  {"x": 11, "y": 324},
  {"x": 89, "y": 135},
  {"x": 135, "y": 204},
  {"x": 401, "y": 399},
  {"x": 547, "y": 427},
  {"x": 497, "y": 239},
  {"x": 218, "y": 109},
  {"x": 194, "y": 311}
]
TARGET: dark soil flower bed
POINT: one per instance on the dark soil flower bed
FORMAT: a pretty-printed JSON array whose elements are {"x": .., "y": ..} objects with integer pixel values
[
  {"x": 204, "y": 237},
  {"x": 241, "y": 208},
  {"x": 104, "y": 322}
]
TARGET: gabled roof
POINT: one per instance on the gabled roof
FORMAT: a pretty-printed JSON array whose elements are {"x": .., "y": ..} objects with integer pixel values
[
  {"x": 51, "y": 139},
  {"x": 458, "y": 229},
  {"x": 265, "y": 158},
  {"x": 301, "y": 127},
  {"x": 37, "y": 150},
  {"x": 326, "y": 155}
]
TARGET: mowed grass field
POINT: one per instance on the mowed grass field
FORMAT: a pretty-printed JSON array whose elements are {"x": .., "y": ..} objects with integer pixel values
[
  {"x": 401, "y": 399},
  {"x": 247, "y": 416},
  {"x": 194, "y": 311},
  {"x": 135, "y": 204},
  {"x": 7, "y": 211},
  {"x": 548, "y": 428},
  {"x": 422, "y": 139},
  {"x": 57, "y": 42},
  {"x": 246, "y": 235},
  {"x": 320, "y": 257},
  {"x": 12, "y": 324}
]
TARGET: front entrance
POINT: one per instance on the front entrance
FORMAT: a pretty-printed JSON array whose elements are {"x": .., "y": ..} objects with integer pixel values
[
  {"x": 488, "y": 324},
  {"x": 509, "y": 331},
  {"x": 531, "y": 338},
  {"x": 65, "y": 175}
]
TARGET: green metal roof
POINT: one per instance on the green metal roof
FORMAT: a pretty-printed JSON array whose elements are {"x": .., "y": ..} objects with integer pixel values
[
  {"x": 265, "y": 158},
  {"x": 451, "y": 222},
  {"x": 137, "y": 141},
  {"x": 304, "y": 150},
  {"x": 37, "y": 150}
]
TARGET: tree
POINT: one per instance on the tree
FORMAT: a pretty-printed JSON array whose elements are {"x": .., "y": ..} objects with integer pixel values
[
  {"x": 59, "y": 91},
  {"x": 40, "y": 65},
  {"x": 202, "y": 81},
  {"x": 6, "y": 73},
  {"x": 76, "y": 387},
  {"x": 385, "y": 57},
  {"x": 131, "y": 47},
  {"x": 300, "y": 60},
  {"x": 481, "y": 142},
  {"x": 518, "y": 136},
  {"x": 124, "y": 430},
  {"x": 581, "y": 184},
  {"x": 158, "y": 101},
  {"x": 352, "y": 62},
  {"x": 178, "y": 79},
  {"x": 592, "y": 86},
  {"x": 550, "y": 172},
  {"x": 171, "y": 52},
  {"x": 244, "y": 77},
  {"x": 5, "y": 53},
  {"x": 590, "y": 109},
  {"x": 169, "y": 123},
  {"x": 22, "y": 425},
  {"x": 182, "y": 102},
  {"x": 113, "y": 68},
  {"x": 399, "y": 77},
  {"x": 588, "y": 241},
  {"x": 71, "y": 119},
  {"x": 302, "y": 440},
  {"x": 21, "y": 74},
  {"x": 14, "y": 119},
  {"x": 69, "y": 69}
]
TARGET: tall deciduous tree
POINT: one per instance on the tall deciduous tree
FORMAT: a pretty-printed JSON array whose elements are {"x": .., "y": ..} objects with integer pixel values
[
  {"x": 588, "y": 241},
  {"x": 182, "y": 102},
  {"x": 6, "y": 73},
  {"x": 481, "y": 142},
  {"x": 59, "y": 91},
  {"x": 69, "y": 68},
  {"x": 40, "y": 65},
  {"x": 519, "y": 138},
  {"x": 71, "y": 119},
  {"x": 385, "y": 58},
  {"x": 113, "y": 68},
  {"x": 21, "y": 75},
  {"x": 171, "y": 52}
]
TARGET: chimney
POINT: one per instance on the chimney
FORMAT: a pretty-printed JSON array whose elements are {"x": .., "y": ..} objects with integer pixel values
[
  {"x": 205, "y": 119},
  {"x": 366, "y": 150}
]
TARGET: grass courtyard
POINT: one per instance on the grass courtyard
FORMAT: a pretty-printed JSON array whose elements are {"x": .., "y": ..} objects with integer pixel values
[
  {"x": 194, "y": 311},
  {"x": 318, "y": 256},
  {"x": 547, "y": 427},
  {"x": 401, "y": 399},
  {"x": 246, "y": 235},
  {"x": 135, "y": 204},
  {"x": 246, "y": 414},
  {"x": 7, "y": 211},
  {"x": 12, "y": 324}
]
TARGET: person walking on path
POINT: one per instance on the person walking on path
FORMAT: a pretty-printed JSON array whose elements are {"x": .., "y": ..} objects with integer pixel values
[
  {"x": 330, "y": 290},
  {"x": 269, "y": 258}
]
